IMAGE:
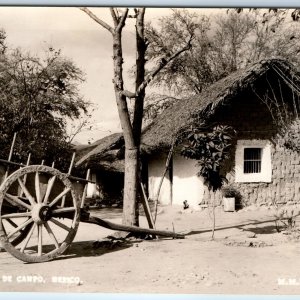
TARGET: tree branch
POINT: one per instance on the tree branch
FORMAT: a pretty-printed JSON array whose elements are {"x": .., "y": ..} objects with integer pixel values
[
  {"x": 122, "y": 20},
  {"x": 96, "y": 19},
  {"x": 114, "y": 16},
  {"x": 163, "y": 62},
  {"x": 129, "y": 94}
]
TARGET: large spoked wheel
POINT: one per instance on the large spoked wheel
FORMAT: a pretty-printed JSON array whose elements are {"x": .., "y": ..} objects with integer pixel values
[{"x": 39, "y": 213}]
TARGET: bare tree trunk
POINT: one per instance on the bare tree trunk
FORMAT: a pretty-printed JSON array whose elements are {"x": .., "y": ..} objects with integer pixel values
[
  {"x": 130, "y": 216},
  {"x": 134, "y": 162},
  {"x": 130, "y": 207},
  {"x": 131, "y": 131},
  {"x": 140, "y": 76}
]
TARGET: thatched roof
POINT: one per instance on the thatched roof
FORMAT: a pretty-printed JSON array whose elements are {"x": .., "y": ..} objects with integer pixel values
[
  {"x": 104, "y": 154},
  {"x": 161, "y": 132}
]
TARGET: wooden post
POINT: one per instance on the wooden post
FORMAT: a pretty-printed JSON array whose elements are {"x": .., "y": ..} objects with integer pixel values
[
  {"x": 10, "y": 155},
  {"x": 69, "y": 173},
  {"x": 72, "y": 163},
  {"x": 85, "y": 189},
  {"x": 25, "y": 176},
  {"x": 28, "y": 159},
  {"x": 147, "y": 208}
]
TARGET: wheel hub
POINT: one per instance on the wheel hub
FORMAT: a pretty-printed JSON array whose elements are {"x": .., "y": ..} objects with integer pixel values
[{"x": 41, "y": 213}]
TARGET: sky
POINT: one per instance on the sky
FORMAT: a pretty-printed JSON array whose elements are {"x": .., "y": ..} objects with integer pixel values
[{"x": 89, "y": 45}]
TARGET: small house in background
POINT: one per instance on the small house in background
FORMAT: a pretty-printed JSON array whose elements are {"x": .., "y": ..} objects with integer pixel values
[
  {"x": 259, "y": 103},
  {"x": 105, "y": 159}
]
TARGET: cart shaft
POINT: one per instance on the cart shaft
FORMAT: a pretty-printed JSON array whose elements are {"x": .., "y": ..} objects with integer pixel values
[{"x": 87, "y": 218}]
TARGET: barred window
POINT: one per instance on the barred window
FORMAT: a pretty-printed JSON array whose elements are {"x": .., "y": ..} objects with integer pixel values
[{"x": 252, "y": 160}]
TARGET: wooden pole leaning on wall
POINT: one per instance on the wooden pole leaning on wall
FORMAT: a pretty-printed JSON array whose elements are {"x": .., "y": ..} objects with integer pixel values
[{"x": 170, "y": 154}]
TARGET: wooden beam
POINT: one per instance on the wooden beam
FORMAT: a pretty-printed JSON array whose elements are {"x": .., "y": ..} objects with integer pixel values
[{"x": 133, "y": 229}]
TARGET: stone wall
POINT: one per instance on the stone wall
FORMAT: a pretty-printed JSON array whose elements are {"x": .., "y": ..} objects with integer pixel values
[{"x": 252, "y": 120}]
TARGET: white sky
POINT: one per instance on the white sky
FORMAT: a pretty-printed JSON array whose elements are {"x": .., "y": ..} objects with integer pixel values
[{"x": 86, "y": 43}]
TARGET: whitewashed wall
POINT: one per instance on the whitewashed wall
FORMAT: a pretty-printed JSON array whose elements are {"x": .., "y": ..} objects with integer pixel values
[
  {"x": 92, "y": 190},
  {"x": 186, "y": 184},
  {"x": 156, "y": 167}
]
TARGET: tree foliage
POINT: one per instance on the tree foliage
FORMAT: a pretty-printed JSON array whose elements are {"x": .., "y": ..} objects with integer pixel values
[
  {"x": 210, "y": 149},
  {"x": 292, "y": 137},
  {"x": 189, "y": 71},
  {"x": 38, "y": 96},
  {"x": 221, "y": 45}
]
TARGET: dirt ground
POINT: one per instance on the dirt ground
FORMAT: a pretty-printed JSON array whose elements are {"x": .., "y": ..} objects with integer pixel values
[{"x": 248, "y": 256}]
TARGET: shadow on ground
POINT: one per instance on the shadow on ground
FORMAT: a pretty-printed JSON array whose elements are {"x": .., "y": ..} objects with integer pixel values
[
  {"x": 264, "y": 230},
  {"x": 93, "y": 249}
]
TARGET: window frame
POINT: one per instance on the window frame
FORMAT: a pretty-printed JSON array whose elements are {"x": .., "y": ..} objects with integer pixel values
[{"x": 266, "y": 166}]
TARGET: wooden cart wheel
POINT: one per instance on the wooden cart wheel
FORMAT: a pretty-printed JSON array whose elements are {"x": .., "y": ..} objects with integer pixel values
[
  {"x": 39, "y": 216},
  {"x": 21, "y": 235}
]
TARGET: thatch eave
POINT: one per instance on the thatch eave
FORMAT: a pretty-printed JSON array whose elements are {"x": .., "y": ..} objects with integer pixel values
[
  {"x": 160, "y": 134},
  {"x": 104, "y": 148}
]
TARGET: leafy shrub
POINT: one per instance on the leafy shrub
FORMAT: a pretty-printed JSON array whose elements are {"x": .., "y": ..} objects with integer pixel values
[
  {"x": 229, "y": 192},
  {"x": 210, "y": 149}
]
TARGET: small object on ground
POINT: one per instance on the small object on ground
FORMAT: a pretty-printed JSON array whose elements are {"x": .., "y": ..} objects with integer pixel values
[
  {"x": 251, "y": 235},
  {"x": 107, "y": 243},
  {"x": 119, "y": 235},
  {"x": 185, "y": 204}
]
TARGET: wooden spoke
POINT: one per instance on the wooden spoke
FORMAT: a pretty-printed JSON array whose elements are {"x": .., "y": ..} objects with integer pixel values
[
  {"x": 63, "y": 210},
  {"x": 51, "y": 234},
  {"x": 20, "y": 227},
  {"x": 12, "y": 223},
  {"x": 15, "y": 199},
  {"x": 61, "y": 225},
  {"x": 49, "y": 188},
  {"x": 28, "y": 238},
  {"x": 40, "y": 239},
  {"x": 16, "y": 215},
  {"x": 63, "y": 193},
  {"x": 26, "y": 192},
  {"x": 63, "y": 200},
  {"x": 37, "y": 187}
]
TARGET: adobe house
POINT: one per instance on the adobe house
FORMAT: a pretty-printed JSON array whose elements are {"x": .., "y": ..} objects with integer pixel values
[
  {"x": 105, "y": 160},
  {"x": 261, "y": 103}
]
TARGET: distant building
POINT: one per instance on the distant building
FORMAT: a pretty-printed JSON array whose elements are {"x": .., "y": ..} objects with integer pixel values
[{"x": 105, "y": 160}]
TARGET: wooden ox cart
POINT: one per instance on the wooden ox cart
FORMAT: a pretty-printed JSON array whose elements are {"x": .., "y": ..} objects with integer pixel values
[{"x": 41, "y": 208}]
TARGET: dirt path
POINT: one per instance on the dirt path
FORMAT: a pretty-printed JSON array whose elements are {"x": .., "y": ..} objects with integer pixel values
[{"x": 235, "y": 263}]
